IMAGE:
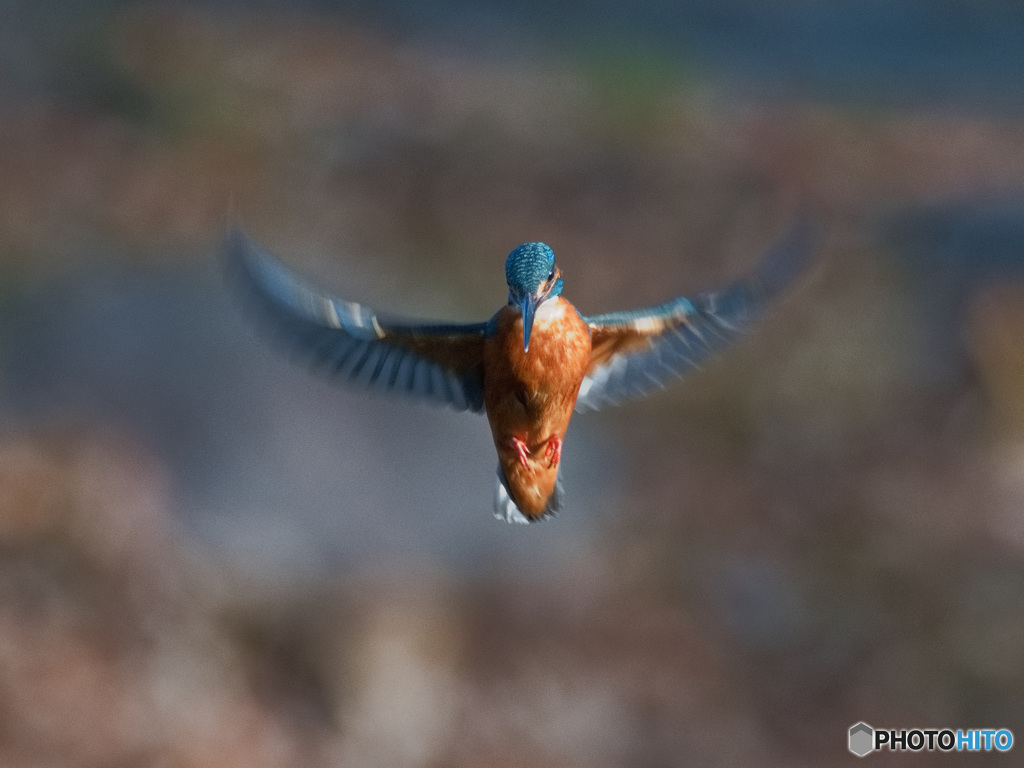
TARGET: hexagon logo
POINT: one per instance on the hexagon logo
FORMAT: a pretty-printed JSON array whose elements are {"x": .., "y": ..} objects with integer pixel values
[{"x": 862, "y": 739}]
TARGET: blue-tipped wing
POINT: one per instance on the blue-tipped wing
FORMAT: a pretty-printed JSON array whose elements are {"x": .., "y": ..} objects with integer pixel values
[
  {"x": 438, "y": 362},
  {"x": 636, "y": 352}
]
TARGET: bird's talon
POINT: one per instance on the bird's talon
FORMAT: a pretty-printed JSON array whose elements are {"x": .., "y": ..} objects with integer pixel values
[
  {"x": 522, "y": 451},
  {"x": 553, "y": 451}
]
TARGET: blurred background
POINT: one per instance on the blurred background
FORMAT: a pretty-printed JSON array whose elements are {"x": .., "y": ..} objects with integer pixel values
[{"x": 210, "y": 557}]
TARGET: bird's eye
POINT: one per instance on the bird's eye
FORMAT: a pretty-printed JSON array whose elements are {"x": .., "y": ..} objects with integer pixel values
[{"x": 551, "y": 276}]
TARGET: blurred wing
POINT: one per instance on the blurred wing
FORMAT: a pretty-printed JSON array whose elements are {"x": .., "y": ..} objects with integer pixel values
[
  {"x": 636, "y": 352},
  {"x": 441, "y": 363}
]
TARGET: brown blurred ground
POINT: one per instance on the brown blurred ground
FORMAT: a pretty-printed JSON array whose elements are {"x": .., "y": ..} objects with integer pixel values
[{"x": 825, "y": 526}]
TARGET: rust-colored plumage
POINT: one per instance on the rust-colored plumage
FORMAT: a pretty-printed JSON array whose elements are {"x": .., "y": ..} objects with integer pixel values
[
  {"x": 530, "y": 396},
  {"x": 528, "y": 367}
]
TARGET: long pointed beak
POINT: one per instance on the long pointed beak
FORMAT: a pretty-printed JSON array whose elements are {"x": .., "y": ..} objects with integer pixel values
[{"x": 528, "y": 306}]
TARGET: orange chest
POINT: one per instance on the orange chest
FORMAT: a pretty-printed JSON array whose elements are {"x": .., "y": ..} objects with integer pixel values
[{"x": 559, "y": 351}]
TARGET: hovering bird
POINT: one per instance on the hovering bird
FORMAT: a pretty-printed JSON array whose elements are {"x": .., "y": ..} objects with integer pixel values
[{"x": 529, "y": 366}]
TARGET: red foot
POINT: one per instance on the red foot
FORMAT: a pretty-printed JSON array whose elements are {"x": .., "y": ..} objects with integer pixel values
[
  {"x": 521, "y": 451},
  {"x": 553, "y": 450}
]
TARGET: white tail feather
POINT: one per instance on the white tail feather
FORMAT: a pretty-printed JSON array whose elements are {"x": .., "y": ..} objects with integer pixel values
[{"x": 505, "y": 508}]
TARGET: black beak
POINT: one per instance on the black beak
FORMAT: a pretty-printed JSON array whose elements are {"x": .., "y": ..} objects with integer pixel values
[{"x": 528, "y": 306}]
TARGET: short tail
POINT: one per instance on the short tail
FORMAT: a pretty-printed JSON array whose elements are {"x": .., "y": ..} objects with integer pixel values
[{"x": 505, "y": 508}]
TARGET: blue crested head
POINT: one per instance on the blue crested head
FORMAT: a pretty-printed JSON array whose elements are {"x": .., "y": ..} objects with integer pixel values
[
  {"x": 532, "y": 279},
  {"x": 528, "y": 268}
]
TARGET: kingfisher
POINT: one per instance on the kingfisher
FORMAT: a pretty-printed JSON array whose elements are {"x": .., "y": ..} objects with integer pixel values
[{"x": 529, "y": 367}]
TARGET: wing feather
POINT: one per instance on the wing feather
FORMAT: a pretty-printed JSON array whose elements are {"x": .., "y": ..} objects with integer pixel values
[
  {"x": 438, "y": 362},
  {"x": 636, "y": 352}
]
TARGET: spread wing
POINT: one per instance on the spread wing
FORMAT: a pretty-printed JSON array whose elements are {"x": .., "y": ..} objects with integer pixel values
[
  {"x": 636, "y": 352},
  {"x": 438, "y": 362}
]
